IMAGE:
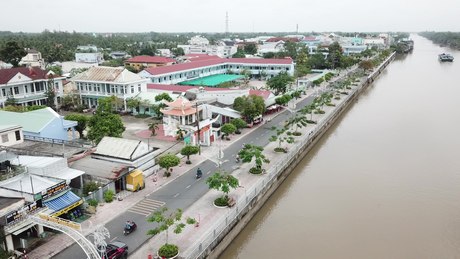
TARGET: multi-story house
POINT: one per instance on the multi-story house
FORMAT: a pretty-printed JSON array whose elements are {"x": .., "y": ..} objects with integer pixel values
[
  {"x": 101, "y": 81},
  {"x": 33, "y": 59},
  {"x": 28, "y": 85}
]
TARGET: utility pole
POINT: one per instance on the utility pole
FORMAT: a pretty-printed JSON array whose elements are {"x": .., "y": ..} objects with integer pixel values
[
  {"x": 198, "y": 128},
  {"x": 226, "y": 23}
]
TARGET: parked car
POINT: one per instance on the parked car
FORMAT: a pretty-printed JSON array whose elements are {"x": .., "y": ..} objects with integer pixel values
[{"x": 116, "y": 250}]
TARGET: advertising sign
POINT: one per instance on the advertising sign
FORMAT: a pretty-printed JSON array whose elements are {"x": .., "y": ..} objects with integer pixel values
[
  {"x": 54, "y": 190},
  {"x": 17, "y": 215}
]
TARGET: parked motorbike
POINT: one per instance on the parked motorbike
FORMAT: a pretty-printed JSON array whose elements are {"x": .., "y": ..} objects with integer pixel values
[{"x": 129, "y": 227}]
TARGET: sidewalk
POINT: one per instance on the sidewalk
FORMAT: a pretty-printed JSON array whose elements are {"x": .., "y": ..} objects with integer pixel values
[{"x": 202, "y": 210}]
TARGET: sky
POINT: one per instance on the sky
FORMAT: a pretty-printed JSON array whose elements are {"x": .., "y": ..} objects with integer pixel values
[{"x": 243, "y": 15}]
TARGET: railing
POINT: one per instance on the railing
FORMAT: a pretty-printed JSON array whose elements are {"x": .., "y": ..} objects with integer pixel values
[
  {"x": 214, "y": 233},
  {"x": 89, "y": 249},
  {"x": 73, "y": 143}
]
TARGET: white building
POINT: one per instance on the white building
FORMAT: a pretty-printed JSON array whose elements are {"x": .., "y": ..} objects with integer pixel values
[
  {"x": 101, "y": 81},
  {"x": 88, "y": 54},
  {"x": 33, "y": 59},
  {"x": 11, "y": 135},
  {"x": 28, "y": 85},
  {"x": 274, "y": 47},
  {"x": 200, "y": 45},
  {"x": 198, "y": 41},
  {"x": 185, "y": 71},
  {"x": 164, "y": 52}
]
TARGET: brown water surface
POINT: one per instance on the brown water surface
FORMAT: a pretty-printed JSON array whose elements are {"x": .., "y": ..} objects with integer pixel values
[{"x": 385, "y": 181}]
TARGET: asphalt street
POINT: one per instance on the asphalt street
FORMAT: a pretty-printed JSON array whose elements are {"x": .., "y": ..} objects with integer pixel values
[{"x": 183, "y": 191}]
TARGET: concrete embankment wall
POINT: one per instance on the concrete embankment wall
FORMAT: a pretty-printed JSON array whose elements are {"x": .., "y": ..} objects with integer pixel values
[{"x": 244, "y": 216}]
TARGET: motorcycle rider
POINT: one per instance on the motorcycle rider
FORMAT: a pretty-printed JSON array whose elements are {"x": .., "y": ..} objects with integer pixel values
[{"x": 198, "y": 173}]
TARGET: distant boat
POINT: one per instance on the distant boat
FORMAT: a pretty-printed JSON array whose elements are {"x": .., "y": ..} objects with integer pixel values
[{"x": 446, "y": 57}]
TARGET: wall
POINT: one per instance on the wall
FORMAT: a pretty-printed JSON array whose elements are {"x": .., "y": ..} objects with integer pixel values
[{"x": 11, "y": 138}]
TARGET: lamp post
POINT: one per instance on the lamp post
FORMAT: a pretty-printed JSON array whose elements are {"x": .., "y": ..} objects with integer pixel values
[{"x": 198, "y": 127}]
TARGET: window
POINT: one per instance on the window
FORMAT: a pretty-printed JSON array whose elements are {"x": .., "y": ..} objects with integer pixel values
[
  {"x": 5, "y": 138},
  {"x": 139, "y": 89},
  {"x": 26, "y": 88},
  {"x": 132, "y": 89},
  {"x": 16, "y": 90},
  {"x": 3, "y": 92},
  {"x": 18, "y": 135}
]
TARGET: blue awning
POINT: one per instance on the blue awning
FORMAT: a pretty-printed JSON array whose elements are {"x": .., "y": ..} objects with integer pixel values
[{"x": 62, "y": 201}]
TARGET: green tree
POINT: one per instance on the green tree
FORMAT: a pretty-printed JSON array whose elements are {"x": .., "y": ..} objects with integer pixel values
[
  {"x": 250, "y": 152},
  {"x": 189, "y": 150},
  {"x": 335, "y": 55},
  {"x": 168, "y": 161},
  {"x": 82, "y": 121},
  {"x": 284, "y": 99},
  {"x": 249, "y": 106},
  {"x": 50, "y": 93},
  {"x": 227, "y": 129},
  {"x": 239, "y": 54},
  {"x": 281, "y": 137},
  {"x": 366, "y": 65},
  {"x": 317, "y": 61},
  {"x": 298, "y": 121},
  {"x": 250, "y": 48},
  {"x": 280, "y": 82},
  {"x": 56, "y": 70},
  {"x": 269, "y": 55},
  {"x": 107, "y": 104},
  {"x": 12, "y": 53},
  {"x": 164, "y": 221},
  {"x": 239, "y": 124},
  {"x": 223, "y": 182},
  {"x": 163, "y": 96},
  {"x": 104, "y": 124},
  {"x": 178, "y": 52},
  {"x": 133, "y": 103}
]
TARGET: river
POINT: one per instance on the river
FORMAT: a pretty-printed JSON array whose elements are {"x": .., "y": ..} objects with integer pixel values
[{"x": 383, "y": 183}]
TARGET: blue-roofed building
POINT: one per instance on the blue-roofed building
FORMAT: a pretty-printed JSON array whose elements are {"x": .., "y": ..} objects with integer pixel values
[{"x": 42, "y": 123}]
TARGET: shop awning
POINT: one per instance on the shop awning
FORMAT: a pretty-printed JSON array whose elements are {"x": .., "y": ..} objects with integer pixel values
[{"x": 63, "y": 203}]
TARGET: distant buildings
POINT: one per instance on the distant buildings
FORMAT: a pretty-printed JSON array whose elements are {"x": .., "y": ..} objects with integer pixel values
[
  {"x": 200, "y": 45},
  {"x": 88, "y": 54}
]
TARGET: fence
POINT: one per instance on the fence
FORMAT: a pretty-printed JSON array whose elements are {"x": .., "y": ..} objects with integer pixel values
[
  {"x": 75, "y": 143},
  {"x": 99, "y": 194},
  {"x": 211, "y": 238}
]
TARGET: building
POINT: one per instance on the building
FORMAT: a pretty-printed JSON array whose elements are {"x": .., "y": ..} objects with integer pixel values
[
  {"x": 164, "y": 52},
  {"x": 98, "y": 82},
  {"x": 119, "y": 54},
  {"x": 28, "y": 85},
  {"x": 141, "y": 62},
  {"x": 10, "y": 135},
  {"x": 88, "y": 54},
  {"x": 268, "y": 47},
  {"x": 196, "y": 69},
  {"x": 4, "y": 65},
  {"x": 40, "y": 124},
  {"x": 33, "y": 59},
  {"x": 182, "y": 115},
  {"x": 200, "y": 45}
]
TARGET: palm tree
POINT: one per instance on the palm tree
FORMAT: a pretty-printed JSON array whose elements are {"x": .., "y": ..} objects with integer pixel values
[{"x": 153, "y": 127}]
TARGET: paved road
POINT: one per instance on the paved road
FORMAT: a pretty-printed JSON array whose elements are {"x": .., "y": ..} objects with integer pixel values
[{"x": 182, "y": 192}]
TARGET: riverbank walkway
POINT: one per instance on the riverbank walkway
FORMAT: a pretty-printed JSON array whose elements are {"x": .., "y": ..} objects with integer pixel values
[{"x": 202, "y": 210}]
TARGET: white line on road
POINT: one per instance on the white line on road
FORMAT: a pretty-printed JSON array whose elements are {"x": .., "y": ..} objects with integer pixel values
[
  {"x": 188, "y": 186},
  {"x": 208, "y": 172},
  {"x": 177, "y": 194},
  {"x": 113, "y": 239}
]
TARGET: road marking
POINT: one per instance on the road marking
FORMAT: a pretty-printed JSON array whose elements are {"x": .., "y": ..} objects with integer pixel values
[
  {"x": 208, "y": 172},
  {"x": 146, "y": 206},
  {"x": 113, "y": 239},
  {"x": 188, "y": 186},
  {"x": 177, "y": 194}
]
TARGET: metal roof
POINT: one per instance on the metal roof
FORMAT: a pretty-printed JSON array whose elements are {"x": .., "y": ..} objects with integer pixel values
[
  {"x": 33, "y": 121},
  {"x": 107, "y": 74},
  {"x": 120, "y": 148}
]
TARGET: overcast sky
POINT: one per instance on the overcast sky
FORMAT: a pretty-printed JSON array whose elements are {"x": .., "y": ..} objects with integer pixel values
[{"x": 244, "y": 15}]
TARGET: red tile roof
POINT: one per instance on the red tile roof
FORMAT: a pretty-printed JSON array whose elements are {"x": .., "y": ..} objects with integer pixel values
[
  {"x": 34, "y": 73},
  {"x": 284, "y": 61},
  {"x": 215, "y": 61},
  {"x": 183, "y": 88},
  {"x": 276, "y": 39},
  {"x": 200, "y": 57},
  {"x": 262, "y": 93},
  {"x": 150, "y": 59}
]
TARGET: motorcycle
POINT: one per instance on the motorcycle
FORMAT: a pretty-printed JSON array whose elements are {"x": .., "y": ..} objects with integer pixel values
[
  {"x": 199, "y": 174},
  {"x": 130, "y": 227}
]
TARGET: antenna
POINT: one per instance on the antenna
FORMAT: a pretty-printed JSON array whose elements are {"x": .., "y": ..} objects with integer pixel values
[
  {"x": 226, "y": 23},
  {"x": 297, "y": 29}
]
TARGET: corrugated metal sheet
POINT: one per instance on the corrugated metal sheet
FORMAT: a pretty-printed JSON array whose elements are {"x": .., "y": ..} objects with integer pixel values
[{"x": 117, "y": 147}]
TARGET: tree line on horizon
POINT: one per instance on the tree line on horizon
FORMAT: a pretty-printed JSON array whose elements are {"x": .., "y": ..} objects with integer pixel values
[{"x": 449, "y": 39}]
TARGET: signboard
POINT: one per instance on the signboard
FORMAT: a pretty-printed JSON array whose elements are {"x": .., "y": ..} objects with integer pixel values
[
  {"x": 60, "y": 221},
  {"x": 54, "y": 190},
  {"x": 22, "y": 212}
]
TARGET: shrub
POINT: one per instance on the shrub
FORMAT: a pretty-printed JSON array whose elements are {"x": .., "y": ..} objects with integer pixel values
[
  {"x": 90, "y": 187},
  {"x": 319, "y": 112},
  {"x": 311, "y": 122},
  {"x": 256, "y": 170},
  {"x": 330, "y": 104},
  {"x": 280, "y": 149},
  {"x": 108, "y": 196},
  {"x": 296, "y": 133},
  {"x": 221, "y": 201},
  {"x": 168, "y": 250},
  {"x": 93, "y": 202}
]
